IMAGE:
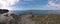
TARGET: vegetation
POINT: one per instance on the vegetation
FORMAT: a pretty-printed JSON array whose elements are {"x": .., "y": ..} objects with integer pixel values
[
  {"x": 47, "y": 19},
  {"x": 37, "y": 18},
  {"x": 42, "y": 18}
]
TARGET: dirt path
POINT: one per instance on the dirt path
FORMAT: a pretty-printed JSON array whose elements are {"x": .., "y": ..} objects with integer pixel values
[{"x": 26, "y": 20}]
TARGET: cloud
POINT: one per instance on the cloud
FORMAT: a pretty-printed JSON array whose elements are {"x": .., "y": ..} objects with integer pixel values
[
  {"x": 54, "y": 4},
  {"x": 4, "y": 4}
]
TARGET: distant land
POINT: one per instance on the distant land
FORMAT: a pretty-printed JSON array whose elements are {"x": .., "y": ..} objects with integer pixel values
[{"x": 4, "y": 10}]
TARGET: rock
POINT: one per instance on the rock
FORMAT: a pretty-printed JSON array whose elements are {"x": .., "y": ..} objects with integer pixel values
[{"x": 3, "y": 11}]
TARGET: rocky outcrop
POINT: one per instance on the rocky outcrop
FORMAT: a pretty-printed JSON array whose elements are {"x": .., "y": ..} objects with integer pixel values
[{"x": 4, "y": 10}]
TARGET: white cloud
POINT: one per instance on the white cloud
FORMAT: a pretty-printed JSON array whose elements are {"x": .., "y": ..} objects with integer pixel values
[
  {"x": 4, "y": 4},
  {"x": 53, "y": 5}
]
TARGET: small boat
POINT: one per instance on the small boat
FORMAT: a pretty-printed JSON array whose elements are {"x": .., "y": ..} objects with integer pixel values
[{"x": 4, "y": 10}]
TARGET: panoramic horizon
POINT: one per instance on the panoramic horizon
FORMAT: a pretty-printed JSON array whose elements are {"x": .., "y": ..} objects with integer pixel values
[
  {"x": 30, "y": 4},
  {"x": 29, "y": 11}
]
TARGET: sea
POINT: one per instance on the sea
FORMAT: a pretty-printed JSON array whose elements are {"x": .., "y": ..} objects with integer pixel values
[
  {"x": 35, "y": 11},
  {"x": 27, "y": 11}
]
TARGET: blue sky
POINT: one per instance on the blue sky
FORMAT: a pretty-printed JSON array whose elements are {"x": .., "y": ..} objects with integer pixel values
[{"x": 31, "y": 4}]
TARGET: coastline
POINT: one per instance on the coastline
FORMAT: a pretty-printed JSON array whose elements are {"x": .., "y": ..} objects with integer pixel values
[{"x": 29, "y": 18}]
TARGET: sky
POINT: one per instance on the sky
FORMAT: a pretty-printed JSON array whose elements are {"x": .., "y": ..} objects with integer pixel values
[{"x": 30, "y": 4}]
